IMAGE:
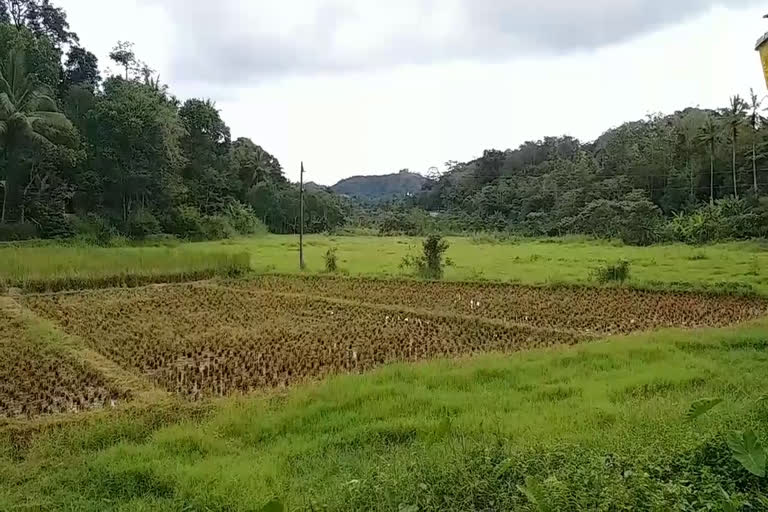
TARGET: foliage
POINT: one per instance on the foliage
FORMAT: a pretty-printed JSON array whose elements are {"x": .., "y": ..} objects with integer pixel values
[
  {"x": 612, "y": 273},
  {"x": 701, "y": 407},
  {"x": 17, "y": 232},
  {"x": 244, "y": 220},
  {"x": 39, "y": 16},
  {"x": 331, "y": 261},
  {"x": 95, "y": 230},
  {"x": 217, "y": 227},
  {"x": 429, "y": 264},
  {"x": 141, "y": 224},
  {"x": 29, "y": 124},
  {"x": 746, "y": 449}
]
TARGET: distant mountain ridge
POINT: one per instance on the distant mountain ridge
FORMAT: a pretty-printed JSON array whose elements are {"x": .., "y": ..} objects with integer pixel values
[{"x": 381, "y": 188}]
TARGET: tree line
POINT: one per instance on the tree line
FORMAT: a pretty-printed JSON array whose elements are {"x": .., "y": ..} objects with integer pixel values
[
  {"x": 122, "y": 155},
  {"x": 99, "y": 157},
  {"x": 694, "y": 176}
]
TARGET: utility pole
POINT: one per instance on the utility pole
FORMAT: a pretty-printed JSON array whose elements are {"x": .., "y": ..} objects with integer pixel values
[{"x": 301, "y": 221}]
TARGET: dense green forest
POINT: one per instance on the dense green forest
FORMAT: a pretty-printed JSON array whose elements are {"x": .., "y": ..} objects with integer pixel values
[
  {"x": 123, "y": 155},
  {"x": 695, "y": 176},
  {"x": 104, "y": 157}
]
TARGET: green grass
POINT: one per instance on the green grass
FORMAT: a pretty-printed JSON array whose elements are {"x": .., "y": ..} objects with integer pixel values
[
  {"x": 738, "y": 264},
  {"x": 742, "y": 264},
  {"x": 599, "y": 427},
  {"x": 53, "y": 267},
  {"x": 595, "y": 427}
]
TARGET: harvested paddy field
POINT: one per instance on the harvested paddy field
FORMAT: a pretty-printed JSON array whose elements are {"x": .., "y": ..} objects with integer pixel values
[
  {"x": 202, "y": 340},
  {"x": 585, "y": 309},
  {"x": 39, "y": 378}
]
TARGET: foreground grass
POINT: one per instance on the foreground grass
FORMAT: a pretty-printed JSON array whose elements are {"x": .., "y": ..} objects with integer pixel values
[{"x": 595, "y": 427}]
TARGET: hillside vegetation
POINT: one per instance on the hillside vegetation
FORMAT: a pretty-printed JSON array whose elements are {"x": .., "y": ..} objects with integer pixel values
[{"x": 381, "y": 188}]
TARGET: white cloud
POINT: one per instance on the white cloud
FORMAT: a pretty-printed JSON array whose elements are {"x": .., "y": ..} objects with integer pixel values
[{"x": 351, "y": 116}]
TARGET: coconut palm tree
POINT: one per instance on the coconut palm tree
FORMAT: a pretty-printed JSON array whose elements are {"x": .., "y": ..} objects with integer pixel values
[
  {"x": 755, "y": 122},
  {"x": 709, "y": 135},
  {"x": 734, "y": 117},
  {"x": 28, "y": 116}
]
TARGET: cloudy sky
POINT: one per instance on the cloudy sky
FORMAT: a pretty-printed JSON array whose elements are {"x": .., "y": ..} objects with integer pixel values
[{"x": 369, "y": 87}]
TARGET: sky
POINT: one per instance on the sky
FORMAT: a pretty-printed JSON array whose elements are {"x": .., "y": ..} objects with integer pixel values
[{"x": 354, "y": 87}]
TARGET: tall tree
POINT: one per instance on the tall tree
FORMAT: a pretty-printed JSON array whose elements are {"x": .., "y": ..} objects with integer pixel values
[
  {"x": 39, "y": 16},
  {"x": 124, "y": 55},
  {"x": 209, "y": 177},
  {"x": 254, "y": 165},
  {"x": 755, "y": 122},
  {"x": 734, "y": 118},
  {"x": 709, "y": 135},
  {"x": 28, "y": 116},
  {"x": 81, "y": 69},
  {"x": 134, "y": 134}
]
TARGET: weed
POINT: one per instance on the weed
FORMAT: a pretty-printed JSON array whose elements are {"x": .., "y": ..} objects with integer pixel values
[
  {"x": 331, "y": 263},
  {"x": 612, "y": 273}
]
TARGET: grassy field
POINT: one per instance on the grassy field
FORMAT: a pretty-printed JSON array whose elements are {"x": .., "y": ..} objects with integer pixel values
[
  {"x": 63, "y": 266},
  {"x": 596, "y": 426},
  {"x": 743, "y": 264}
]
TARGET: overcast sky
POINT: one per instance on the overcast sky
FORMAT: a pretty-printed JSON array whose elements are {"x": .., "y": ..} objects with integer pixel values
[{"x": 370, "y": 86}]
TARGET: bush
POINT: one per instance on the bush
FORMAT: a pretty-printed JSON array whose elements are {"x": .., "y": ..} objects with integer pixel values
[
  {"x": 217, "y": 227},
  {"x": 184, "y": 222},
  {"x": 612, "y": 273},
  {"x": 331, "y": 264},
  {"x": 94, "y": 230},
  {"x": 18, "y": 232},
  {"x": 142, "y": 224},
  {"x": 244, "y": 220},
  {"x": 413, "y": 222},
  {"x": 430, "y": 264}
]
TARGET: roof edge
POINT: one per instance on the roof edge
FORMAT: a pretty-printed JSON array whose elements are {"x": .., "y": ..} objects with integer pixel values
[{"x": 761, "y": 41}]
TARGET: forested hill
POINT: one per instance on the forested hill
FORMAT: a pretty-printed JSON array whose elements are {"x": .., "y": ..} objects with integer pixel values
[
  {"x": 695, "y": 175},
  {"x": 381, "y": 188}
]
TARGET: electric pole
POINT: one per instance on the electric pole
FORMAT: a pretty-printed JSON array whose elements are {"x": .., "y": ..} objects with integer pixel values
[{"x": 301, "y": 222}]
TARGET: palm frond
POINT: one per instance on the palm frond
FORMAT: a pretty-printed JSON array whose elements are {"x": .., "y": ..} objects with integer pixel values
[
  {"x": 49, "y": 119},
  {"x": 42, "y": 103},
  {"x": 7, "y": 108},
  {"x": 5, "y": 86}
]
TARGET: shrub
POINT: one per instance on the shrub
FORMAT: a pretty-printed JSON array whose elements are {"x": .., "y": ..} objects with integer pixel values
[
  {"x": 141, "y": 224},
  {"x": 612, "y": 273},
  {"x": 18, "y": 232},
  {"x": 217, "y": 227},
  {"x": 244, "y": 220},
  {"x": 94, "y": 230},
  {"x": 185, "y": 222},
  {"x": 429, "y": 264},
  {"x": 331, "y": 264}
]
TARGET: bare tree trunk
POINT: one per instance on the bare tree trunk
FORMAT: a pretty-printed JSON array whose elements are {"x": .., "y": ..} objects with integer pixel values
[
  {"x": 24, "y": 196},
  {"x": 735, "y": 185},
  {"x": 693, "y": 178},
  {"x": 754, "y": 165},
  {"x": 5, "y": 197},
  {"x": 711, "y": 178}
]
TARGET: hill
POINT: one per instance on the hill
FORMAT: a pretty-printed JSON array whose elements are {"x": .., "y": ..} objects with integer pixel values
[{"x": 381, "y": 188}]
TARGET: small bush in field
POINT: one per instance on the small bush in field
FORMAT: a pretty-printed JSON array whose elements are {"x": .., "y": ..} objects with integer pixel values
[
  {"x": 612, "y": 273},
  {"x": 430, "y": 264},
  {"x": 331, "y": 263}
]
